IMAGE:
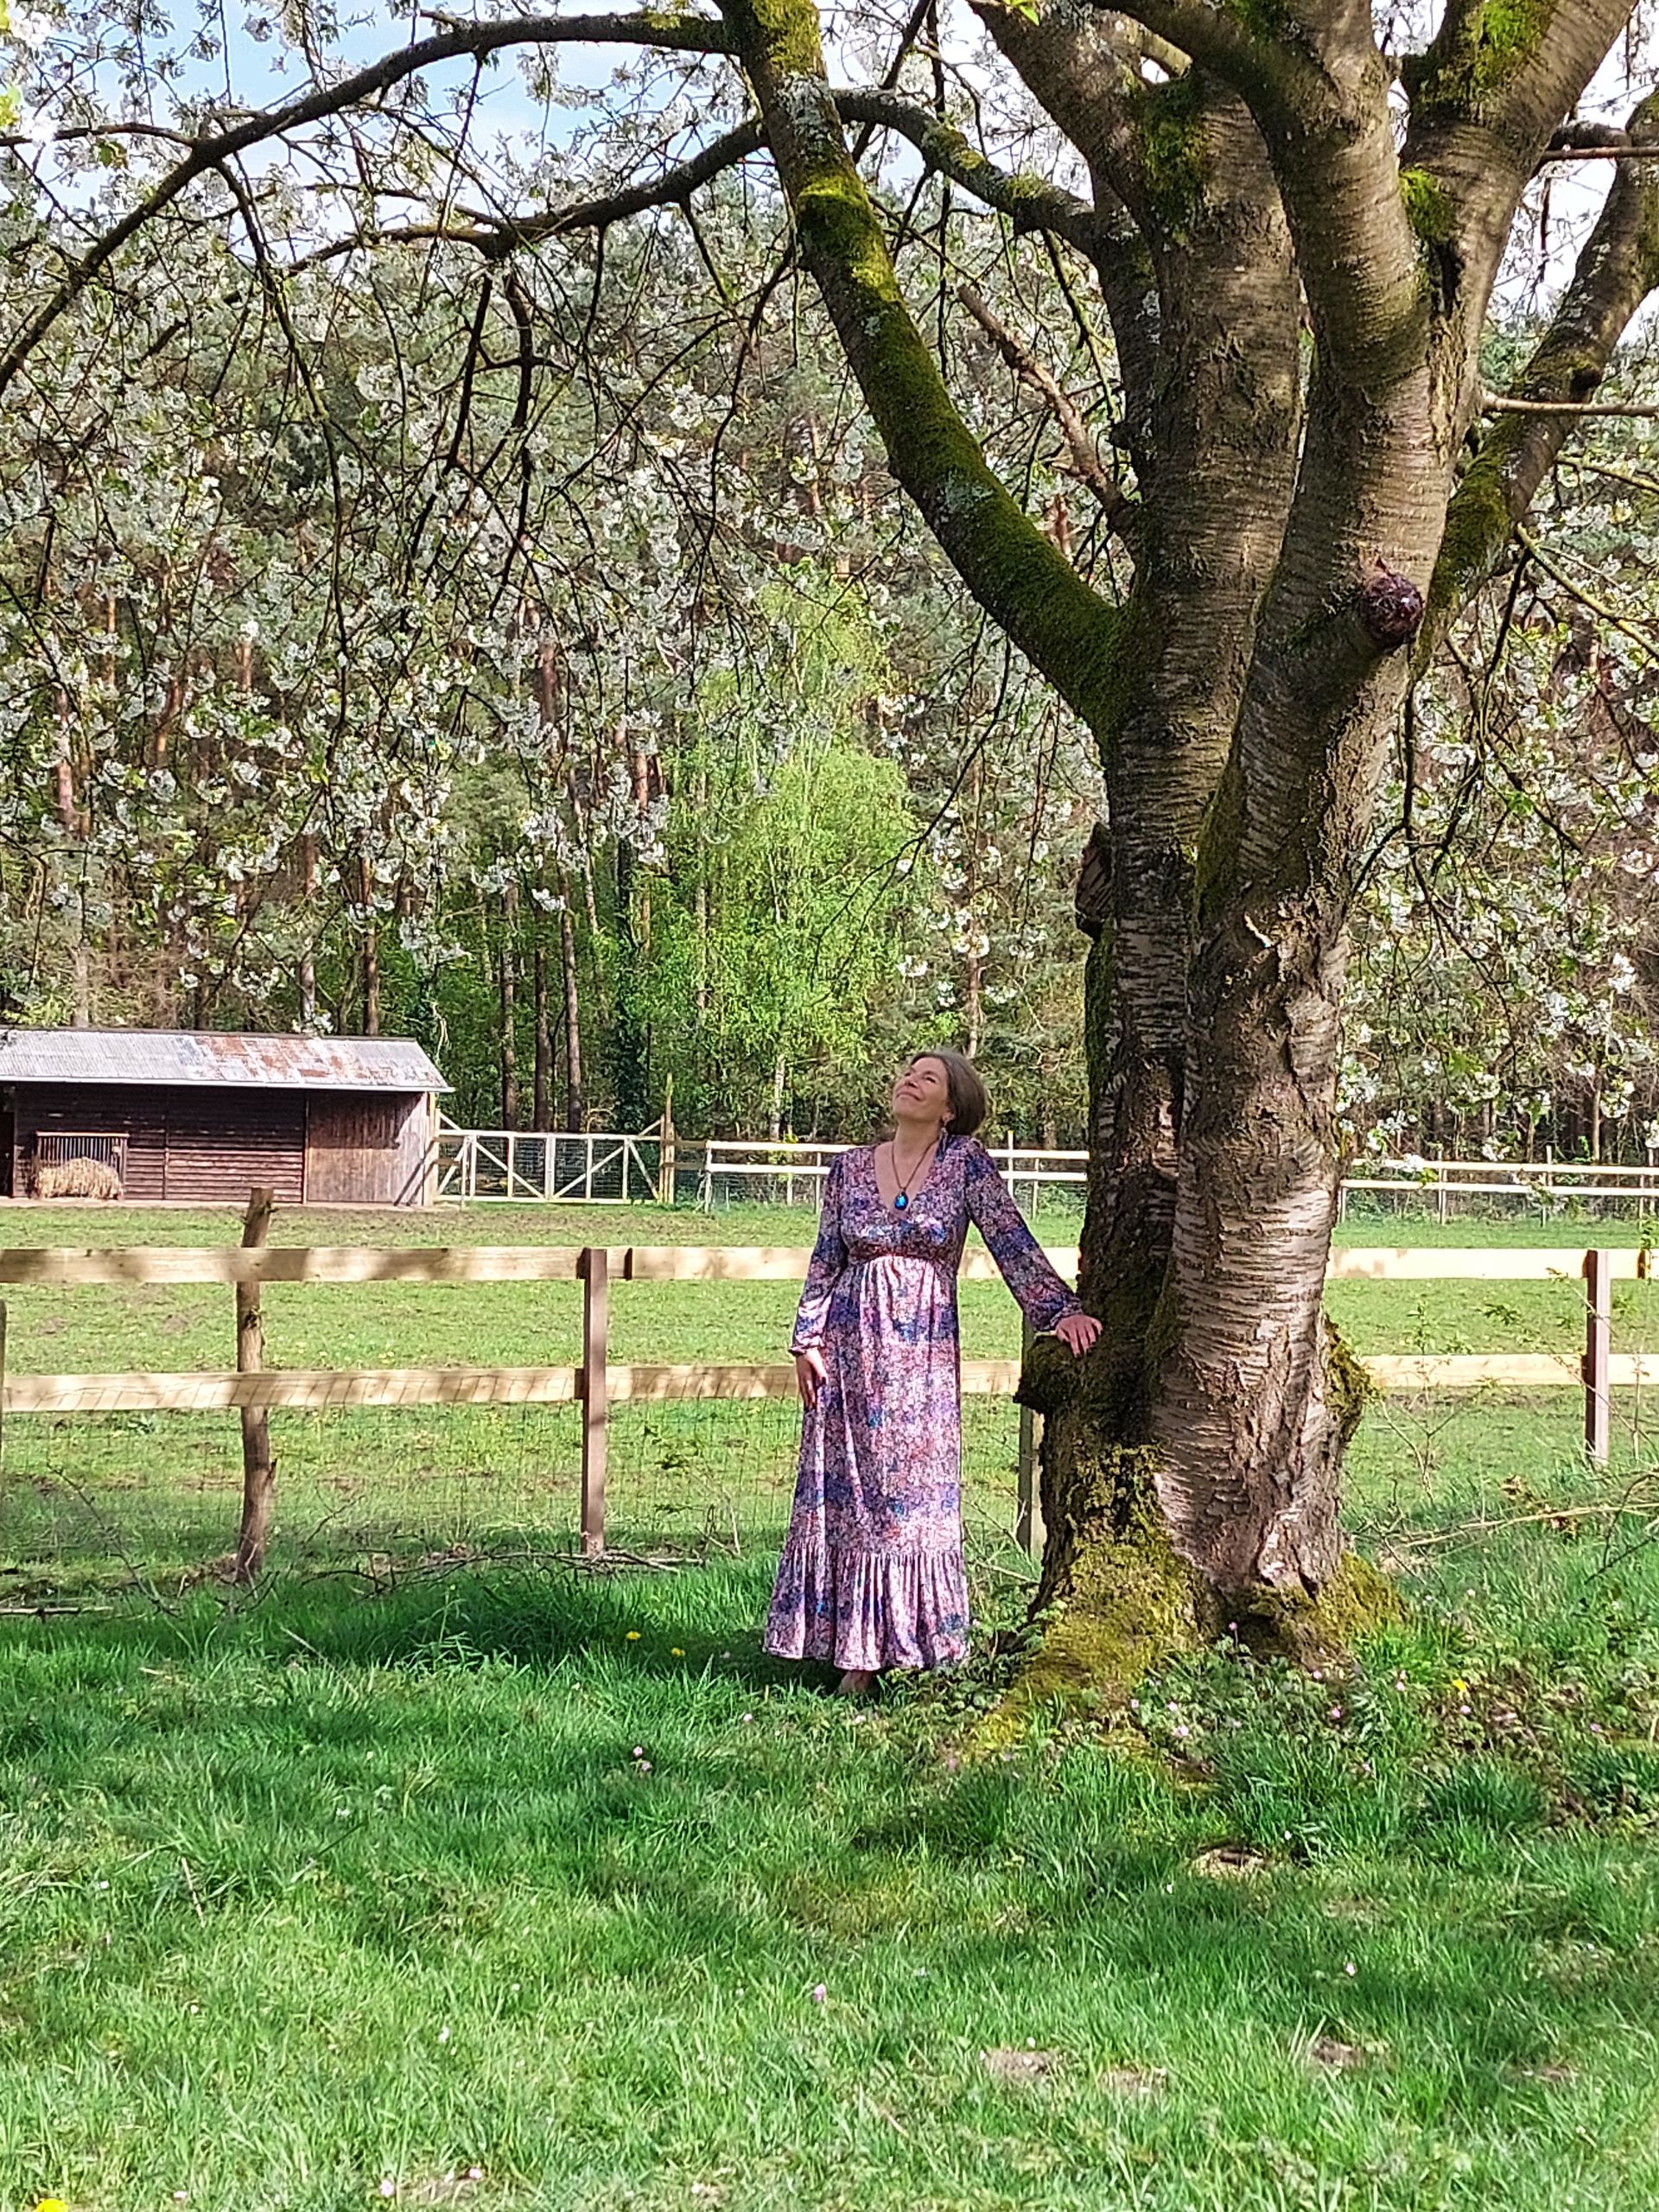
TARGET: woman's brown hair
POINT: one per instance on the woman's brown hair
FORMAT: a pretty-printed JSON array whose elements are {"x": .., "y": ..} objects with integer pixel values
[{"x": 970, "y": 1101}]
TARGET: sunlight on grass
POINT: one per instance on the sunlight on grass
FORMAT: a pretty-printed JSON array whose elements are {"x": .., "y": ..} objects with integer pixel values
[{"x": 334, "y": 1897}]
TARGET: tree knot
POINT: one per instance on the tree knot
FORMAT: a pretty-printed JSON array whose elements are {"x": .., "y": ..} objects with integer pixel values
[{"x": 1391, "y": 609}]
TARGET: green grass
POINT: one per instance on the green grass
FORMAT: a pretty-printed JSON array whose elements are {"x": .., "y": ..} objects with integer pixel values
[
  {"x": 337, "y": 1896},
  {"x": 397, "y": 1871}
]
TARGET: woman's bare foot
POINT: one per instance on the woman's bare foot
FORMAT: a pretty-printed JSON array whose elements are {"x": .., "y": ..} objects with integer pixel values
[{"x": 857, "y": 1681}]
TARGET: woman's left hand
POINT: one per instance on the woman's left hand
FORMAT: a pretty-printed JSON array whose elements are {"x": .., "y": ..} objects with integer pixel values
[{"x": 1078, "y": 1331}]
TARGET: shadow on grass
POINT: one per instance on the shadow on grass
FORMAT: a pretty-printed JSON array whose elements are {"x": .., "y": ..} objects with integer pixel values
[{"x": 476, "y": 1772}]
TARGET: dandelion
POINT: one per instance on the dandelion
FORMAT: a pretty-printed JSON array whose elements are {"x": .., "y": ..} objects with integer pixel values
[
  {"x": 675, "y": 1652},
  {"x": 632, "y": 1636},
  {"x": 51, "y": 2204}
]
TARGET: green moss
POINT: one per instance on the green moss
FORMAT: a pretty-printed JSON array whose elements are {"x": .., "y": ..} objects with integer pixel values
[
  {"x": 1348, "y": 1388},
  {"x": 1267, "y": 18},
  {"x": 1484, "y": 53},
  {"x": 1131, "y": 1601},
  {"x": 1477, "y": 525},
  {"x": 1428, "y": 206},
  {"x": 1218, "y": 843},
  {"x": 1509, "y": 32},
  {"x": 1173, "y": 155},
  {"x": 786, "y": 31},
  {"x": 1324, "y": 1630}
]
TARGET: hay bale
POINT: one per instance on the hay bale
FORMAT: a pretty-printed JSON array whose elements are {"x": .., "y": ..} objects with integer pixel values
[{"x": 76, "y": 1179}]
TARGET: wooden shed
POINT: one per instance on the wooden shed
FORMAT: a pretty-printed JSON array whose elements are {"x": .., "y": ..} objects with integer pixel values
[{"x": 201, "y": 1115}]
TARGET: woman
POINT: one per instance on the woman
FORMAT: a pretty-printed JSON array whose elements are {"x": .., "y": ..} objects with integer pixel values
[{"x": 872, "y": 1574}]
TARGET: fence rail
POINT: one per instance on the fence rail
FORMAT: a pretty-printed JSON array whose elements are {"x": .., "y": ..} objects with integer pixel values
[
  {"x": 609, "y": 1166},
  {"x": 595, "y": 1383},
  {"x": 73, "y": 1267},
  {"x": 550, "y": 1167}
]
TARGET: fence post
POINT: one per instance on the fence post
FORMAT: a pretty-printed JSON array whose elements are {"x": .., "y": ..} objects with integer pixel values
[
  {"x": 1597, "y": 1355},
  {"x": 1028, "y": 1524},
  {"x": 594, "y": 1268},
  {"x": 666, "y": 1162},
  {"x": 258, "y": 1472}
]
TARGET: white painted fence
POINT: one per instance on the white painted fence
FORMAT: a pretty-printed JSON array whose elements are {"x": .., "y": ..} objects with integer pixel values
[
  {"x": 552, "y": 1166},
  {"x": 594, "y": 1167}
]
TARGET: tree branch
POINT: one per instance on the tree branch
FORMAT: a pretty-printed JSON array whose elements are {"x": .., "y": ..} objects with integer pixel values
[
  {"x": 685, "y": 35},
  {"x": 1086, "y": 465},
  {"x": 1618, "y": 267},
  {"x": 1013, "y": 569}
]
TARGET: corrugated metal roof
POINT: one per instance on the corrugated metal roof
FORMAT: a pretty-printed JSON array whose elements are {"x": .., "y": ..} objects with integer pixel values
[{"x": 215, "y": 1057}]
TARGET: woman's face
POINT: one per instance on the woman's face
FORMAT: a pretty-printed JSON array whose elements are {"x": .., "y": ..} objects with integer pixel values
[{"x": 923, "y": 1092}]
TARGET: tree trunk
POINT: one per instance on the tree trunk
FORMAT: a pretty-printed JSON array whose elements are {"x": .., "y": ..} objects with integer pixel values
[
  {"x": 541, "y": 1104},
  {"x": 371, "y": 950},
  {"x": 507, "y": 969},
  {"x": 308, "y": 956},
  {"x": 575, "y": 1111},
  {"x": 629, "y": 1075}
]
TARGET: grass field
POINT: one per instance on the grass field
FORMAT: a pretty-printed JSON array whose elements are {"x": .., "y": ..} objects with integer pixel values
[{"x": 510, "y": 1886}]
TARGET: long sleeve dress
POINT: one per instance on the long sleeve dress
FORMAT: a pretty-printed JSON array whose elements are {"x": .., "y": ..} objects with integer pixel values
[{"x": 872, "y": 1574}]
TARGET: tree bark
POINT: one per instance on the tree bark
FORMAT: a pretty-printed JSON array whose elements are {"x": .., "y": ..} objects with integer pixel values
[
  {"x": 576, "y": 1110},
  {"x": 507, "y": 970},
  {"x": 370, "y": 950},
  {"x": 541, "y": 1108},
  {"x": 307, "y": 956}
]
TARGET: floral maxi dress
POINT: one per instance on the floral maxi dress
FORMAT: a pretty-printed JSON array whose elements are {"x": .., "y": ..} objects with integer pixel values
[{"x": 872, "y": 1574}]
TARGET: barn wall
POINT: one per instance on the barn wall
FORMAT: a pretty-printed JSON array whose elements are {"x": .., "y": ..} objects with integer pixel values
[
  {"x": 364, "y": 1151},
  {"x": 95, "y": 1109},
  {"x": 220, "y": 1143},
  {"x": 205, "y": 1145}
]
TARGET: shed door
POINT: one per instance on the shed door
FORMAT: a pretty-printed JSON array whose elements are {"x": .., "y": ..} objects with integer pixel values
[{"x": 355, "y": 1148}]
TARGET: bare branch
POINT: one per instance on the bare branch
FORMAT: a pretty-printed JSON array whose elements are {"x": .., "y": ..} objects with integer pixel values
[
  {"x": 686, "y": 34},
  {"x": 1029, "y": 203},
  {"x": 1502, "y": 404},
  {"x": 1599, "y": 608},
  {"x": 1086, "y": 464}
]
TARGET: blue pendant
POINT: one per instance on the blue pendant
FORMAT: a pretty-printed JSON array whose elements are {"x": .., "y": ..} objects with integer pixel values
[{"x": 900, "y": 1202}]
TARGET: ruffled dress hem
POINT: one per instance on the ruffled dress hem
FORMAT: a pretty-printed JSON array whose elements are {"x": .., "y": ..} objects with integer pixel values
[{"x": 869, "y": 1609}]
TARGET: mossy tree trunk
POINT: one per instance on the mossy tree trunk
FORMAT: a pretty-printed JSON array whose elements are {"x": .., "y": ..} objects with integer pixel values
[
  {"x": 1297, "y": 297},
  {"x": 1284, "y": 551}
]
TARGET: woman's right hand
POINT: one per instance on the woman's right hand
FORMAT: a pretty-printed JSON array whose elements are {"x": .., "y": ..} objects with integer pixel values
[{"x": 811, "y": 1373}]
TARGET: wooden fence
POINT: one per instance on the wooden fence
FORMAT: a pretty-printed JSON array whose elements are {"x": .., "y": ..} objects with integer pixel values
[{"x": 595, "y": 1383}]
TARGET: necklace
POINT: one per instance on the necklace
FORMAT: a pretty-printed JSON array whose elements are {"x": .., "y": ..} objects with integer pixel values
[{"x": 901, "y": 1203}]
